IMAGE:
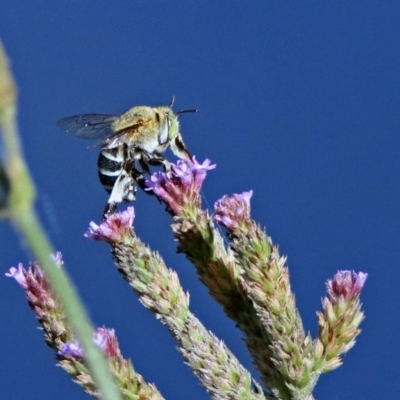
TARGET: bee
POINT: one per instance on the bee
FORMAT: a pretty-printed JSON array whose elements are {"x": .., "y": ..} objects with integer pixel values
[{"x": 129, "y": 143}]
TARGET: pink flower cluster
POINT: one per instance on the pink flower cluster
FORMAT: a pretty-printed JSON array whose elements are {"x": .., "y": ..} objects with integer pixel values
[
  {"x": 233, "y": 212},
  {"x": 113, "y": 228},
  {"x": 181, "y": 185},
  {"x": 36, "y": 285},
  {"x": 34, "y": 275},
  {"x": 346, "y": 284}
]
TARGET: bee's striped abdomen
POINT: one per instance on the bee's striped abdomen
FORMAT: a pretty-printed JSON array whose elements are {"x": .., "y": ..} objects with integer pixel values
[{"x": 110, "y": 163}]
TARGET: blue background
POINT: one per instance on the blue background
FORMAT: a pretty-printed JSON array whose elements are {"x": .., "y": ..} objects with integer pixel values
[{"x": 298, "y": 101}]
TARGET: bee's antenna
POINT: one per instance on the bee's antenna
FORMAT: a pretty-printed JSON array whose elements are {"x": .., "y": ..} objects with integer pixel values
[
  {"x": 192, "y": 110},
  {"x": 172, "y": 102}
]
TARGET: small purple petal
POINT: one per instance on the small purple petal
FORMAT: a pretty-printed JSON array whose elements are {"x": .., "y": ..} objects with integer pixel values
[
  {"x": 73, "y": 349},
  {"x": 183, "y": 172},
  {"x": 18, "y": 274},
  {"x": 103, "y": 338},
  {"x": 93, "y": 231},
  {"x": 200, "y": 170},
  {"x": 100, "y": 338},
  {"x": 360, "y": 281},
  {"x": 246, "y": 196},
  {"x": 224, "y": 220},
  {"x": 155, "y": 181},
  {"x": 107, "y": 341},
  {"x": 126, "y": 217},
  {"x": 206, "y": 166}
]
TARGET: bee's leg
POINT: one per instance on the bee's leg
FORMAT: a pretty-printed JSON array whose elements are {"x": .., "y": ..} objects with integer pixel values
[
  {"x": 144, "y": 166},
  {"x": 138, "y": 176},
  {"x": 124, "y": 189},
  {"x": 179, "y": 149},
  {"x": 156, "y": 159},
  {"x": 167, "y": 168},
  {"x": 151, "y": 159},
  {"x": 109, "y": 209}
]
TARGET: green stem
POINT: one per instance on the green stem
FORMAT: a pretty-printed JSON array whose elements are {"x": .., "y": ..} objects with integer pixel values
[
  {"x": 30, "y": 228},
  {"x": 20, "y": 211}
]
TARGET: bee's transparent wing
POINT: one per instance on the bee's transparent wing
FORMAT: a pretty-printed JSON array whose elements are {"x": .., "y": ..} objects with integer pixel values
[{"x": 88, "y": 126}]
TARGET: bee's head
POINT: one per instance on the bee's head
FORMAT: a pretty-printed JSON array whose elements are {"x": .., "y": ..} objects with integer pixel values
[
  {"x": 172, "y": 119},
  {"x": 168, "y": 123},
  {"x": 172, "y": 123}
]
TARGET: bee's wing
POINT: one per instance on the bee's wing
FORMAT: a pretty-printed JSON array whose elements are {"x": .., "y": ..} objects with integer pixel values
[{"x": 88, "y": 126}]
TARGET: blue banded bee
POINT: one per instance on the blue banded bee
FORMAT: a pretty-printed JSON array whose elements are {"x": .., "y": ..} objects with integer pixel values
[{"x": 129, "y": 144}]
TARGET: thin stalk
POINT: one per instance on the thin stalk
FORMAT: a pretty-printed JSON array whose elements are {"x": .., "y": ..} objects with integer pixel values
[{"x": 19, "y": 209}]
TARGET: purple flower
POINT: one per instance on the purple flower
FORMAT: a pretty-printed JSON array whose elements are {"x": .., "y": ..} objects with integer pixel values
[
  {"x": 347, "y": 284},
  {"x": 182, "y": 171},
  {"x": 156, "y": 183},
  {"x": 103, "y": 338},
  {"x": 190, "y": 172},
  {"x": 106, "y": 340},
  {"x": 19, "y": 274},
  {"x": 72, "y": 349},
  {"x": 113, "y": 228},
  {"x": 233, "y": 212},
  {"x": 100, "y": 338},
  {"x": 180, "y": 187}
]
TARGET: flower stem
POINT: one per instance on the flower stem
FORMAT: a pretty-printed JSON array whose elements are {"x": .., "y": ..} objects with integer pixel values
[{"x": 19, "y": 208}]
